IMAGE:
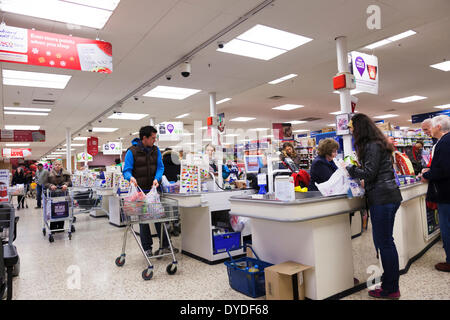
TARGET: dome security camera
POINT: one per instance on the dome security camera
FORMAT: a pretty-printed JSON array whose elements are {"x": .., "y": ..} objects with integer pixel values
[
  {"x": 168, "y": 77},
  {"x": 136, "y": 98},
  {"x": 221, "y": 44},
  {"x": 186, "y": 69}
]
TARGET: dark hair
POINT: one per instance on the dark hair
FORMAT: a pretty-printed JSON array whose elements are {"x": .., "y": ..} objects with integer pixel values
[
  {"x": 420, "y": 142},
  {"x": 40, "y": 165},
  {"x": 146, "y": 132},
  {"x": 288, "y": 144},
  {"x": 365, "y": 131},
  {"x": 327, "y": 147},
  {"x": 117, "y": 160}
]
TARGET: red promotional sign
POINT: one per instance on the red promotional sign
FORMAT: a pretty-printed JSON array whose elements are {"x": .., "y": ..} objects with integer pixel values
[
  {"x": 22, "y": 135},
  {"x": 92, "y": 146},
  {"x": 39, "y": 48},
  {"x": 15, "y": 153}
]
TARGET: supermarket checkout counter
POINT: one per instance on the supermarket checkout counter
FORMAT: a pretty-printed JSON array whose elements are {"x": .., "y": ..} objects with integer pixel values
[
  {"x": 315, "y": 230},
  {"x": 198, "y": 214}
]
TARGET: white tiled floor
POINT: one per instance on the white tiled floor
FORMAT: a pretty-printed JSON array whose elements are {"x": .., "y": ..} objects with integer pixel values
[{"x": 49, "y": 270}]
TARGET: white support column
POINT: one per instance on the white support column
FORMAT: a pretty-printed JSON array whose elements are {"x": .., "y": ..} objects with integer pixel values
[
  {"x": 68, "y": 151},
  {"x": 85, "y": 156},
  {"x": 344, "y": 95},
  {"x": 152, "y": 121}
]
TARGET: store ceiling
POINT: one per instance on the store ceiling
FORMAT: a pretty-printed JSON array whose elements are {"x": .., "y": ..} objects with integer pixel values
[{"x": 148, "y": 36}]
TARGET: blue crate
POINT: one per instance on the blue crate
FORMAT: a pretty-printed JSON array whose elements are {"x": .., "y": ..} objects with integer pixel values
[
  {"x": 226, "y": 241},
  {"x": 251, "y": 284}
]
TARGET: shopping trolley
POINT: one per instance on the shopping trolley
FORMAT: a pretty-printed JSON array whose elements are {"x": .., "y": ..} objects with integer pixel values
[
  {"x": 85, "y": 200},
  {"x": 19, "y": 190},
  {"x": 141, "y": 212},
  {"x": 57, "y": 207}
]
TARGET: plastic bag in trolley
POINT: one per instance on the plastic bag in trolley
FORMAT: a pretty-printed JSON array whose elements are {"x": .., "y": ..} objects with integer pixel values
[
  {"x": 134, "y": 202},
  {"x": 155, "y": 208}
]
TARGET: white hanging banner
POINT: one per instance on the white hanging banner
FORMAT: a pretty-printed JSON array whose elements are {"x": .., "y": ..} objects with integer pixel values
[
  {"x": 112, "y": 148},
  {"x": 366, "y": 71},
  {"x": 170, "y": 131}
]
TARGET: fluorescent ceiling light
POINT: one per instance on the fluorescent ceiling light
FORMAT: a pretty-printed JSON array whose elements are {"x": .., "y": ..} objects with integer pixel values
[
  {"x": 410, "y": 120},
  {"x": 17, "y": 144},
  {"x": 80, "y": 138},
  {"x": 242, "y": 119},
  {"x": 204, "y": 128},
  {"x": 97, "y": 129},
  {"x": 20, "y": 127},
  {"x": 171, "y": 92},
  {"x": 24, "y": 113},
  {"x": 352, "y": 92},
  {"x": 207, "y": 140},
  {"x": 182, "y": 116},
  {"x": 444, "y": 66},
  {"x": 187, "y": 134},
  {"x": 296, "y": 122},
  {"x": 127, "y": 116},
  {"x": 89, "y": 13},
  {"x": 269, "y": 136},
  {"x": 35, "y": 79},
  {"x": 391, "y": 39},
  {"x": 409, "y": 99},
  {"x": 300, "y": 130},
  {"x": 445, "y": 106},
  {"x": 223, "y": 100},
  {"x": 135, "y": 133},
  {"x": 75, "y": 145},
  {"x": 260, "y": 129},
  {"x": 27, "y": 109},
  {"x": 231, "y": 135},
  {"x": 289, "y": 76},
  {"x": 265, "y": 43},
  {"x": 56, "y": 153},
  {"x": 287, "y": 107},
  {"x": 336, "y": 112},
  {"x": 331, "y": 125},
  {"x": 404, "y": 128},
  {"x": 385, "y": 116}
]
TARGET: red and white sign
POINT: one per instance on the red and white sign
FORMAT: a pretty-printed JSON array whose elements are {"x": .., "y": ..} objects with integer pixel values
[
  {"x": 92, "y": 146},
  {"x": 53, "y": 50},
  {"x": 15, "y": 153},
  {"x": 22, "y": 135}
]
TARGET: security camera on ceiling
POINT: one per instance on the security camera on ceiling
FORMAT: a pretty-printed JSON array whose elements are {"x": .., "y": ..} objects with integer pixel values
[
  {"x": 186, "y": 69},
  {"x": 168, "y": 77},
  {"x": 221, "y": 44}
]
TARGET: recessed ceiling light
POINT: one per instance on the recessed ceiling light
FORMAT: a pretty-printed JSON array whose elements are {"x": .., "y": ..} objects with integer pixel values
[
  {"x": 404, "y": 128},
  {"x": 97, "y": 129},
  {"x": 385, "y": 116},
  {"x": 242, "y": 119},
  {"x": 331, "y": 125},
  {"x": 444, "y": 66},
  {"x": 289, "y": 76},
  {"x": 287, "y": 107},
  {"x": 182, "y": 116},
  {"x": 75, "y": 145},
  {"x": 352, "y": 92},
  {"x": 17, "y": 144},
  {"x": 231, "y": 135},
  {"x": 35, "y": 79},
  {"x": 301, "y": 130},
  {"x": 409, "y": 99},
  {"x": 223, "y": 100},
  {"x": 80, "y": 138},
  {"x": 259, "y": 129},
  {"x": 204, "y": 128},
  {"x": 409, "y": 120},
  {"x": 391, "y": 39},
  {"x": 24, "y": 113},
  {"x": 336, "y": 112},
  {"x": 296, "y": 122},
  {"x": 27, "y": 109},
  {"x": 93, "y": 14},
  {"x": 127, "y": 116},
  {"x": 21, "y": 127},
  {"x": 264, "y": 43},
  {"x": 171, "y": 92},
  {"x": 445, "y": 106}
]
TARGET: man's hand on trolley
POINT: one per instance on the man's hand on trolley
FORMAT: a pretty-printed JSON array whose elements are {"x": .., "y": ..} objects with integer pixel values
[
  {"x": 53, "y": 187},
  {"x": 155, "y": 183},
  {"x": 64, "y": 187},
  {"x": 133, "y": 181}
]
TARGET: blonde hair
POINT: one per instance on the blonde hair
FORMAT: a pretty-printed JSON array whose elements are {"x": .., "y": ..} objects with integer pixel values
[{"x": 57, "y": 161}]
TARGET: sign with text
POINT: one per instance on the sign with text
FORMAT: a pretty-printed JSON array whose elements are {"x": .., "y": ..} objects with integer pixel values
[
  {"x": 15, "y": 153},
  {"x": 81, "y": 157},
  {"x": 92, "y": 146},
  {"x": 53, "y": 50},
  {"x": 112, "y": 148},
  {"x": 416, "y": 118},
  {"x": 22, "y": 135},
  {"x": 170, "y": 131},
  {"x": 365, "y": 69},
  {"x": 4, "y": 183}
]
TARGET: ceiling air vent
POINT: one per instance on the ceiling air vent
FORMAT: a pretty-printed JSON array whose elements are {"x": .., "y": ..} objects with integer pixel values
[
  {"x": 42, "y": 101},
  {"x": 276, "y": 97},
  {"x": 310, "y": 119}
]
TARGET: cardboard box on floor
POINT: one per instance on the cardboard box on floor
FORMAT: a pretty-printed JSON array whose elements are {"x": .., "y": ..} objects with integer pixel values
[{"x": 284, "y": 281}]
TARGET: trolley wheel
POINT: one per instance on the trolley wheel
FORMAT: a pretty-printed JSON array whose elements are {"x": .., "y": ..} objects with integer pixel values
[
  {"x": 120, "y": 261},
  {"x": 44, "y": 232},
  {"x": 74, "y": 219},
  {"x": 171, "y": 269},
  {"x": 72, "y": 229},
  {"x": 147, "y": 274},
  {"x": 70, "y": 236},
  {"x": 50, "y": 238}
]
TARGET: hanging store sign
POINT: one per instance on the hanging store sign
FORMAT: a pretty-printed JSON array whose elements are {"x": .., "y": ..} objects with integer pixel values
[
  {"x": 417, "y": 118},
  {"x": 365, "y": 69},
  {"x": 22, "y": 135},
  {"x": 15, "y": 153},
  {"x": 112, "y": 148},
  {"x": 81, "y": 157},
  {"x": 92, "y": 146},
  {"x": 170, "y": 131},
  {"x": 53, "y": 50}
]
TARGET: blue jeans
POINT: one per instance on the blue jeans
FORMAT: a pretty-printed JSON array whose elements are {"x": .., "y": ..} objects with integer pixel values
[
  {"x": 39, "y": 195},
  {"x": 444, "y": 225},
  {"x": 382, "y": 218},
  {"x": 146, "y": 236}
]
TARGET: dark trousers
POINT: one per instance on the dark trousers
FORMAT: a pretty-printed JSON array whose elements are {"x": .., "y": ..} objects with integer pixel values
[
  {"x": 146, "y": 236},
  {"x": 20, "y": 201},
  {"x": 382, "y": 218},
  {"x": 444, "y": 225},
  {"x": 39, "y": 195}
]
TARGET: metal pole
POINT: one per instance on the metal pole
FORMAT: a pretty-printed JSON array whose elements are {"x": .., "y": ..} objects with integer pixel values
[
  {"x": 152, "y": 121},
  {"x": 344, "y": 95},
  {"x": 68, "y": 151}
]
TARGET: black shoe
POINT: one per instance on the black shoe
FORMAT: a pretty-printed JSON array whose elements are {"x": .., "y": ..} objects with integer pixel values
[
  {"x": 18, "y": 208},
  {"x": 38, "y": 207}
]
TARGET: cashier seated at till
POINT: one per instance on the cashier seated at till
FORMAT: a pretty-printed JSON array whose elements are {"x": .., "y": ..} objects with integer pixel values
[
  {"x": 323, "y": 166},
  {"x": 209, "y": 151}
]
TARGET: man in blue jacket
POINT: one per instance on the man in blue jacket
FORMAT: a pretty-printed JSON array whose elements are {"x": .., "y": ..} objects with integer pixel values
[
  {"x": 144, "y": 168},
  {"x": 439, "y": 176}
]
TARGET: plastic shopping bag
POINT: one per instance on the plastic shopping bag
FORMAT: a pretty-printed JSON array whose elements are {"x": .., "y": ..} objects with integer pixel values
[
  {"x": 355, "y": 188},
  {"x": 337, "y": 184},
  {"x": 155, "y": 208},
  {"x": 134, "y": 201},
  {"x": 240, "y": 224}
]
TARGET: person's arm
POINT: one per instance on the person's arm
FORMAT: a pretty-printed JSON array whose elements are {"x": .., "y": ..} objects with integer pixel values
[
  {"x": 128, "y": 166},
  {"x": 159, "y": 167},
  {"x": 47, "y": 183},
  {"x": 439, "y": 169},
  {"x": 370, "y": 166}
]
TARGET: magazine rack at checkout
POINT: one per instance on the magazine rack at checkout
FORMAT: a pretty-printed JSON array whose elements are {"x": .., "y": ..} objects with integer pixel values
[
  {"x": 57, "y": 207},
  {"x": 141, "y": 212},
  {"x": 246, "y": 274}
]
